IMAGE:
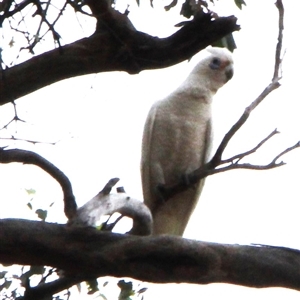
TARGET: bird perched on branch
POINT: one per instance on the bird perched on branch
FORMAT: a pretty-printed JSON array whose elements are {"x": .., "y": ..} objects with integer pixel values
[{"x": 177, "y": 140}]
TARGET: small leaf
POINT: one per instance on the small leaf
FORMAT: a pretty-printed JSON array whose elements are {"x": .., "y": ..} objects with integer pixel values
[
  {"x": 92, "y": 286},
  {"x": 240, "y": 3},
  {"x": 6, "y": 284},
  {"x": 126, "y": 290},
  {"x": 29, "y": 205},
  {"x": 187, "y": 9},
  {"x": 105, "y": 283},
  {"x": 30, "y": 191},
  {"x": 172, "y": 4},
  {"x": 142, "y": 290},
  {"x": 42, "y": 214},
  {"x": 37, "y": 270},
  {"x": 226, "y": 42},
  {"x": 11, "y": 42},
  {"x": 2, "y": 274}
]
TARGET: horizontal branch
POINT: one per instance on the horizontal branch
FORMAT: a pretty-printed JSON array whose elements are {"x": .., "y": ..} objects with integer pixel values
[
  {"x": 115, "y": 46},
  {"x": 89, "y": 252},
  {"x": 29, "y": 157}
]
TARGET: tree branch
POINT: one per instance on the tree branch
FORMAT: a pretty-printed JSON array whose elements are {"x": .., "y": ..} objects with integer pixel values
[
  {"x": 29, "y": 157},
  {"x": 45, "y": 291},
  {"x": 278, "y": 52},
  {"x": 174, "y": 259},
  {"x": 115, "y": 46},
  {"x": 240, "y": 156},
  {"x": 213, "y": 166},
  {"x": 105, "y": 203}
]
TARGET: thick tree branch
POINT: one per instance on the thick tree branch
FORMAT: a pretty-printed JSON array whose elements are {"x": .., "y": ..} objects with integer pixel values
[
  {"x": 174, "y": 259},
  {"x": 29, "y": 157},
  {"x": 115, "y": 46}
]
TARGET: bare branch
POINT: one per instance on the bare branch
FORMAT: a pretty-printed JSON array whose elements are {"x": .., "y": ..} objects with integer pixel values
[
  {"x": 270, "y": 88},
  {"x": 217, "y": 158},
  {"x": 105, "y": 203},
  {"x": 297, "y": 145},
  {"x": 29, "y": 157},
  {"x": 278, "y": 53},
  {"x": 213, "y": 166},
  {"x": 242, "y": 155},
  {"x": 107, "y": 188}
]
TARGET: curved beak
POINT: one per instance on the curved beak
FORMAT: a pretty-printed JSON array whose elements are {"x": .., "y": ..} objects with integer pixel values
[{"x": 229, "y": 72}]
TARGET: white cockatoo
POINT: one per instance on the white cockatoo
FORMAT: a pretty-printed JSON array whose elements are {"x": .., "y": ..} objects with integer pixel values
[{"x": 177, "y": 140}]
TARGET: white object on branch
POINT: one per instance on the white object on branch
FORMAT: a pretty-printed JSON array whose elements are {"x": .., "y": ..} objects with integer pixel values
[
  {"x": 177, "y": 140},
  {"x": 106, "y": 203}
]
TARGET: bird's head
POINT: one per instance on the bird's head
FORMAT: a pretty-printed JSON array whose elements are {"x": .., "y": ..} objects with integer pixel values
[{"x": 215, "y": 69}]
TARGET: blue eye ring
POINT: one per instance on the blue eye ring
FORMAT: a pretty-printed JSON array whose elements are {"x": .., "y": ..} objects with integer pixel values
[{"x": 215, "y": 63}]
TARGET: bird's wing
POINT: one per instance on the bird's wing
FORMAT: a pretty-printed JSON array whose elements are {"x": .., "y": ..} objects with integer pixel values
[
  {"x": 208, "y": 142},
  {"x": 172, "y": 216},
  {"x": 146, "y": 159}
]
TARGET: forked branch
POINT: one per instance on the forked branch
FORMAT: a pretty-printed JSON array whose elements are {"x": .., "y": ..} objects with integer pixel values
[{"x": 215, "y": 165}]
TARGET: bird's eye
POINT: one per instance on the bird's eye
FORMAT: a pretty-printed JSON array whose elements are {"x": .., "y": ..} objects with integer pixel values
[{"x": 215, "y": 63}]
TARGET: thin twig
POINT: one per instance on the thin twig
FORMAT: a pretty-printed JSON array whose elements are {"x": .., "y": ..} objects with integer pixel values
[
  {"x": 297, "y": 145},
  {"x": 270, "y": 88},
  {"x": 278, "y": 53},
  {"x": 213, "y": 166},
  {"x": 240, "y": 156},
  {"x": 217, "y": 158}
]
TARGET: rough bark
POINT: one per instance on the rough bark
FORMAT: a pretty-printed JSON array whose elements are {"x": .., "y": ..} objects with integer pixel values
[
  {"x": 115, "y": 46},
  {"x": 86, "y": 252}
]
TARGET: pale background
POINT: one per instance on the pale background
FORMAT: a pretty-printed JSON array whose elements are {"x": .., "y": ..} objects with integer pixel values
[{"x": 97, "y": 122}]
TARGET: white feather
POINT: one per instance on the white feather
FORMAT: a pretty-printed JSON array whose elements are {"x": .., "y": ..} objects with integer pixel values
[{"x": 177, "y": 140}]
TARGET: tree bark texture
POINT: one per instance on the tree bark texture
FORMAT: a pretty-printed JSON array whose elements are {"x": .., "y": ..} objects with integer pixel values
[{"x": 86, "y": 252}]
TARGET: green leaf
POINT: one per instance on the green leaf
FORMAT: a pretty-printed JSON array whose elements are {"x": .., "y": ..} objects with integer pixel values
[
  {"x": 126, "y": 290},
  {"x": 30, "y": 191},
  {"x": 240, "y": 3},
  {"x": 92, "y": 286},
  {"x": 226, "y": 42},
  {"x": 42, "y": 214}
]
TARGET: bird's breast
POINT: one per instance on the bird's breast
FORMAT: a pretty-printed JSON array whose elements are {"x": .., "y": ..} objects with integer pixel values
[{"x": 180, "y": 142}]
